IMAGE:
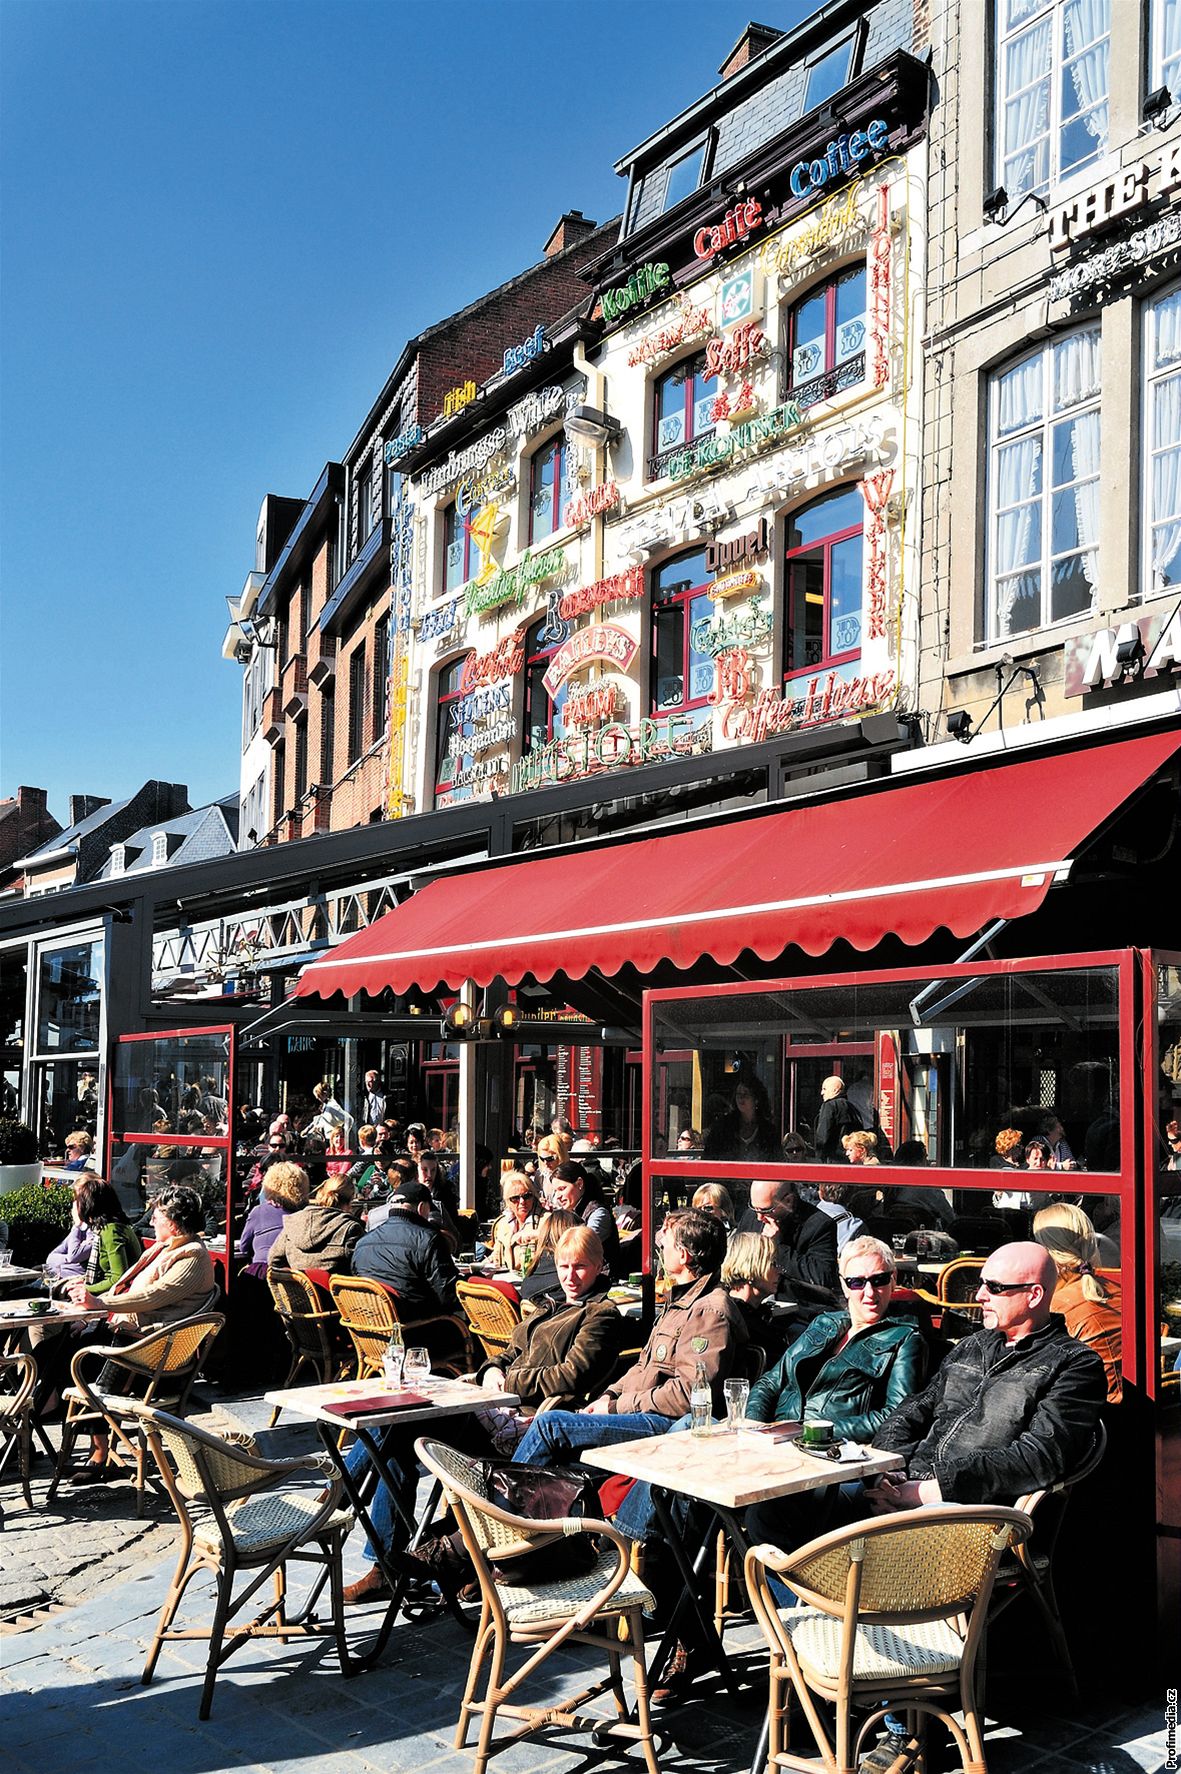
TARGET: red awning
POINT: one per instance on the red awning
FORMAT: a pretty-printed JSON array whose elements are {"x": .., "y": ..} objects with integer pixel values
[{"x": 957, "y": 852}]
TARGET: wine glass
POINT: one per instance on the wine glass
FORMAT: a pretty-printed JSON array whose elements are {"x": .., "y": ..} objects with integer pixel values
[{"x": 417, "y": 1366}]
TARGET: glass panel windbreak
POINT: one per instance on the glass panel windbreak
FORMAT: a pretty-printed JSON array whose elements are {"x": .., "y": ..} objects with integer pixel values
[
  {"x": 70, "y": 996},
  {"x": 139, "y": 1172},
  {"x": 14, "y": 974},
  {"x": 979, "y": 1071},
  {"x": 175, "y": 1084},
  {"x": 64, "y": 1101}
]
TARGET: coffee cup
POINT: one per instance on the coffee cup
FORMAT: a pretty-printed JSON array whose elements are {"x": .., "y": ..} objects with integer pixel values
[
  {"x": 817, "y": 1432},
  {"x": 635, "y": 1279}
]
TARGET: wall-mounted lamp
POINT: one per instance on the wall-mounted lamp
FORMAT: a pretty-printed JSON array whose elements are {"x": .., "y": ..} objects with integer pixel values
[
  {"x": 1157, "y": 106},
  {"x": 1129, "y": 650},
  {"x": 996, "y": 205},
  {"x": 262, "y": 630},
  {"x": 459, "y": 1022},
  {"x": 592, "y": 425},
  {"x": 959, "y": 725},
  {"x": 505, "y": 1019}
]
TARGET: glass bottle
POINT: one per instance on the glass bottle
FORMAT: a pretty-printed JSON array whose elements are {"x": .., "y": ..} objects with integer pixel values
[
  {"x": 701, "y": 1401},
  {"x": 394, "y": 1357}
]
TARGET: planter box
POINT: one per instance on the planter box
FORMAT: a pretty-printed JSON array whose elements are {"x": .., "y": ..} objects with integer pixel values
[{"x": 18, "y": 1176}]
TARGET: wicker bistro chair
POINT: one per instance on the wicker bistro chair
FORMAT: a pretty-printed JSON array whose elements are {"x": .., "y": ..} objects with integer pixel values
[
  {"x": 959, "y": 1282},
  {"x": 492, "y": 1316},
  {"x": 234, "y": 1519},
  {"x": 160, "y": 1368},
  {"x": 602, "y": 1609},
  {"x": 16, "y": 1415},
  {"x": 369, "y": 1312},
  {"x": 309, "y": 1328},
  {"x": 893, "y": 1615},
  {"x": 1027, "y": 1569}
]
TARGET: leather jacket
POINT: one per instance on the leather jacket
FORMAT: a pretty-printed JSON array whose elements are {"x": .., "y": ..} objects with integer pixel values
[
  {"x": 1000, "y": 1419},
  {"x": 855, "y": 1387},
  {"x": 563, "y": 1353},
  {"x": 699, "y": 1323}
]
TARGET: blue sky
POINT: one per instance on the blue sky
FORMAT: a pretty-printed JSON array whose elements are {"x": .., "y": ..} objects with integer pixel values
[{"x": 220, "y": 222}]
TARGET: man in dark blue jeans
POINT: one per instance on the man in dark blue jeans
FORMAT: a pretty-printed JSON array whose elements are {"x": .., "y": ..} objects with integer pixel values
[{"x": 699, "y": 1323}]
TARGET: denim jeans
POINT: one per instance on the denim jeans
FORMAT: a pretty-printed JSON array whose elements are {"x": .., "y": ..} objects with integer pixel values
[
  {"x": 557, "y": 1437},
  {"x": 387, "y": 1523},
  {"x": 637, "y": 1512}
]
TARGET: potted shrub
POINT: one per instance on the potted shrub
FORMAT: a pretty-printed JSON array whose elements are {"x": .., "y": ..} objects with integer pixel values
[
  {"x": 38, "y": 1218},
  {"x": 19, "y": 1164}
]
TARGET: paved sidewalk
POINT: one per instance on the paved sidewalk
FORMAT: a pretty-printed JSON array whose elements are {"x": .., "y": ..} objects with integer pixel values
[{"x": 71, "y": 1701}]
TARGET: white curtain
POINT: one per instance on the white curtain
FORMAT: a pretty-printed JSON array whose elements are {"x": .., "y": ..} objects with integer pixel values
[
  {"x": 1085, "y": 460},
  {"x": 1088, "y": 27},
  {"x": 1020, "y": 395},
  {"x": 1166, "y": 476},
  {"x": 1026, "y": 114},
  {"x": 1018, "y": 481},
  {"x": 1076, "y": 368},
  {"x": 1166, "y": 316}
]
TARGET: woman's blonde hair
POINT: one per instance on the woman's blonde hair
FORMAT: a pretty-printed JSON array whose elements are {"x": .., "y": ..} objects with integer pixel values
[
  {"x": 713, "y": 1195},
  {"x": 334, "y": 1192},
  {"x": 550, "y": 1230},
  {"x": 865, "y": 1142},
  {"x": 580, "y": 1241},
  {"x": 865, "y": 1246},
  {"x": 555, "y": 1142},
  {"x": 750, "y": 1257},
  {"x": 510, "y": 1179},
  {"x": 286, "y": 1184},
  {"x": 1069, "y": 1236}
]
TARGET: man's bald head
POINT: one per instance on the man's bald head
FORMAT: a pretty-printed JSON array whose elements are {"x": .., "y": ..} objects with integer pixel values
[{"x": 1028, "y": 1277}]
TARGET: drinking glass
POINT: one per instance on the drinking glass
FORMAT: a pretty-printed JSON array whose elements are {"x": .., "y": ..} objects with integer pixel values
[
  {"x": 5, "y": 1257},
  {"x": 392, "y": 1363},
  {"x": 417, "y": 1366},
  {"x": 899, "y": 1243},
  {"x": 736, "y": 1393}
]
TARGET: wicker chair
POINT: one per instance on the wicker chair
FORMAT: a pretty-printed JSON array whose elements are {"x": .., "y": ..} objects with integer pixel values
[
  {"x": 892, "y": 1618},
  {"x": 369, "y": 1312},
  {"x": 1028, "y": 1569},
  {"x": 959, "y": 1281},
  {"x": 492, "y": 1316},
  {"x": 602, "y": 1609},
  {"x": 308, "y": 1326},
  {"x": 159, "y": 1369},
  {"x": 16, "y": 1415},
  {"x": 242, "y": 1523}
]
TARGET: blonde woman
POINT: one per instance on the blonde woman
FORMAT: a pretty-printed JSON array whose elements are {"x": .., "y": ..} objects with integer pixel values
[
  {"x": 284, "y": 1190},
  {"x": 552, "y": 1149},
  {"x": 1089, "y": 1303},
  {"x": 322, "y": 1235},
  {"x": 541, "y": 1278},
  {"x": 520, "y": 1223},
  {"x": 712, "y": 1198},
  {"x": 861, "y": 1148}
]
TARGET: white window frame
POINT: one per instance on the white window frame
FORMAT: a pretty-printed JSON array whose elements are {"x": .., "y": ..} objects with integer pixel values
[
  {"x": 1160, "y": 74},
  {"x": 994, "y": 634},
  {"x": 1040, "y": 10},
  {"x": 1155, "y": 376}
]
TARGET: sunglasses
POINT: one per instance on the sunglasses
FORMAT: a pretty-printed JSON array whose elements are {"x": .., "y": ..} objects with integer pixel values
[
  {"x": 549, "y": 1158},
  {"x": 1005, "y": 1287},
  {"x": 519, "y": 1198},
  {"x": 858, "y": 1283}
]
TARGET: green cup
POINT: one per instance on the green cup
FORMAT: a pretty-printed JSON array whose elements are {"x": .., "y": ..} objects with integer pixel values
[
  {"x": 818, "y": 1432},
  {"x": 636, "y": 1279}
]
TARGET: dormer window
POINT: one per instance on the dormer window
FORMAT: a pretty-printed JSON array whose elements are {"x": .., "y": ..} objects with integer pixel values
[
  {"x": 159, "y": 849},
  {"x": 684, "y": 175},
  {"x": 828, "y": 73},
  {"x": 118, "y": 859}
]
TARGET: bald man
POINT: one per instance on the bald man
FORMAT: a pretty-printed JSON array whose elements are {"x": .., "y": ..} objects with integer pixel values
[{"x": 1013, "y": 1407}]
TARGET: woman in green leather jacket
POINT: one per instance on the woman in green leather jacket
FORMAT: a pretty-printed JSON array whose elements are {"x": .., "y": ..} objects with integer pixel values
[{"x": 851, "y": 1367}]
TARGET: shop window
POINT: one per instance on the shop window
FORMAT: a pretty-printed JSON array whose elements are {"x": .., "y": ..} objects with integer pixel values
[
  {"x": 1162, "y": 432},
  {"x": 823, "y": 584},
  {"x": 381, "y": 676},
  {"x": 357, "y": 700},
  {"x": 543, "y": 712},
  {"x": 826, "y": 337},
  {"x": 1166, "y": 46},
  {"x": 684, "y": 175},
  {"x": 682, "y": 674},
  {"x": 681, "y": 411},
  {"x": 1052, "y": 80},
  {"x": 451, "y": 728},
  {"x": 549, "y": 489},
  {"x": 70, "y": 993},
  {"x": 461, "y": 554},
  {"x": 1044, "y": 486}
]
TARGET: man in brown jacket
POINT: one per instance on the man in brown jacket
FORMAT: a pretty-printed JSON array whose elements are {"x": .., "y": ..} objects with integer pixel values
[{"x": 699, "y": 1323}]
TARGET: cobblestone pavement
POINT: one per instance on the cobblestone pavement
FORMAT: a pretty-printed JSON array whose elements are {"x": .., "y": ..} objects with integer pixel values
[{"x": 71, "y": 1701}]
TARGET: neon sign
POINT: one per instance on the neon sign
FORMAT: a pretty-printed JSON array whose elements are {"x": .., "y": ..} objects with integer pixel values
[
  {"x": 584, "y": 506},
  {"x": 589, "y": 707},
  {"x": 640, "y": 287},
  {"x": 612, "y": 748},
  {"x": 517, "y": 356},
  {"x": 456, "y": 399},
  {"x": 840, "y": 158},
  {"x": 504, "y": 661},
  {"x": 510, "y": 584},
  {"x": 712, "y": 451},
  {"x": 726, "y": 556},
  {"x": 601, "y": 641},
  {"x": 828, "y": 698},
  {"x": 619, "y": 588},
  {"x": 405, "y": 440},
  {"x": 664, "y": 340},
  {"x": 744, "y": 344},
  {"x": 733, "y": 584},
  {"x": 748, "y": 627},
  {"x": 875, "y": 490},
  {"x": 735, "y": 225}
]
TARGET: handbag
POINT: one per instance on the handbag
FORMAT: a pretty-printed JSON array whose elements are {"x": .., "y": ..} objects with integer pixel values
[{"x": 541, "y": 1494}]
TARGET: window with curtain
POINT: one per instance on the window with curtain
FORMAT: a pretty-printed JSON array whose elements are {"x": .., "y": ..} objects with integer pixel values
[
  {"x": 461, "y": 556},
  {"x": 1043, "y": 495},
  {"x": 823, "y": 584},
  {"x": 1166, "y": 46},
  {"x": 826, "y": 339},
  {"x": 543, "y": 712},
  {"x": 1162, "y": 449},
  {"x": 682, "y": 676},
  {"x": 549, "y": 488},
  {"x": 681, "y": 405},
  {"x": 1052, "y": 82},
  {"x": 450, "y": 729}
]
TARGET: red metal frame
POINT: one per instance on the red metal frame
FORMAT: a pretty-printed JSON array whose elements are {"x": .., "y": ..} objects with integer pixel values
[{"x": 223, "y": 1142}]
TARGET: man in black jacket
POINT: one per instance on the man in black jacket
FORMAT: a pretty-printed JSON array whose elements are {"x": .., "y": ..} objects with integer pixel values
[
  {"x": 837, "y": 1117},
  {"x": 1013, "y": 1407},
  {"x": 406, "y": 1254},
  {"x": 805, "y": 1240}
]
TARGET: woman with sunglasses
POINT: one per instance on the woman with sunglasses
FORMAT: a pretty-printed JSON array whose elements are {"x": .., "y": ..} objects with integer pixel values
[{"x": 519, "y": 1224}]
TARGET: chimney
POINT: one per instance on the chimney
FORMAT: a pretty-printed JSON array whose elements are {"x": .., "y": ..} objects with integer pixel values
[
  {"x": 753, "y": 41},
  {"x": 82, "y": 806},
  {"x": 31, "y": 800},
  {"x": 570, "y": 227}
]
